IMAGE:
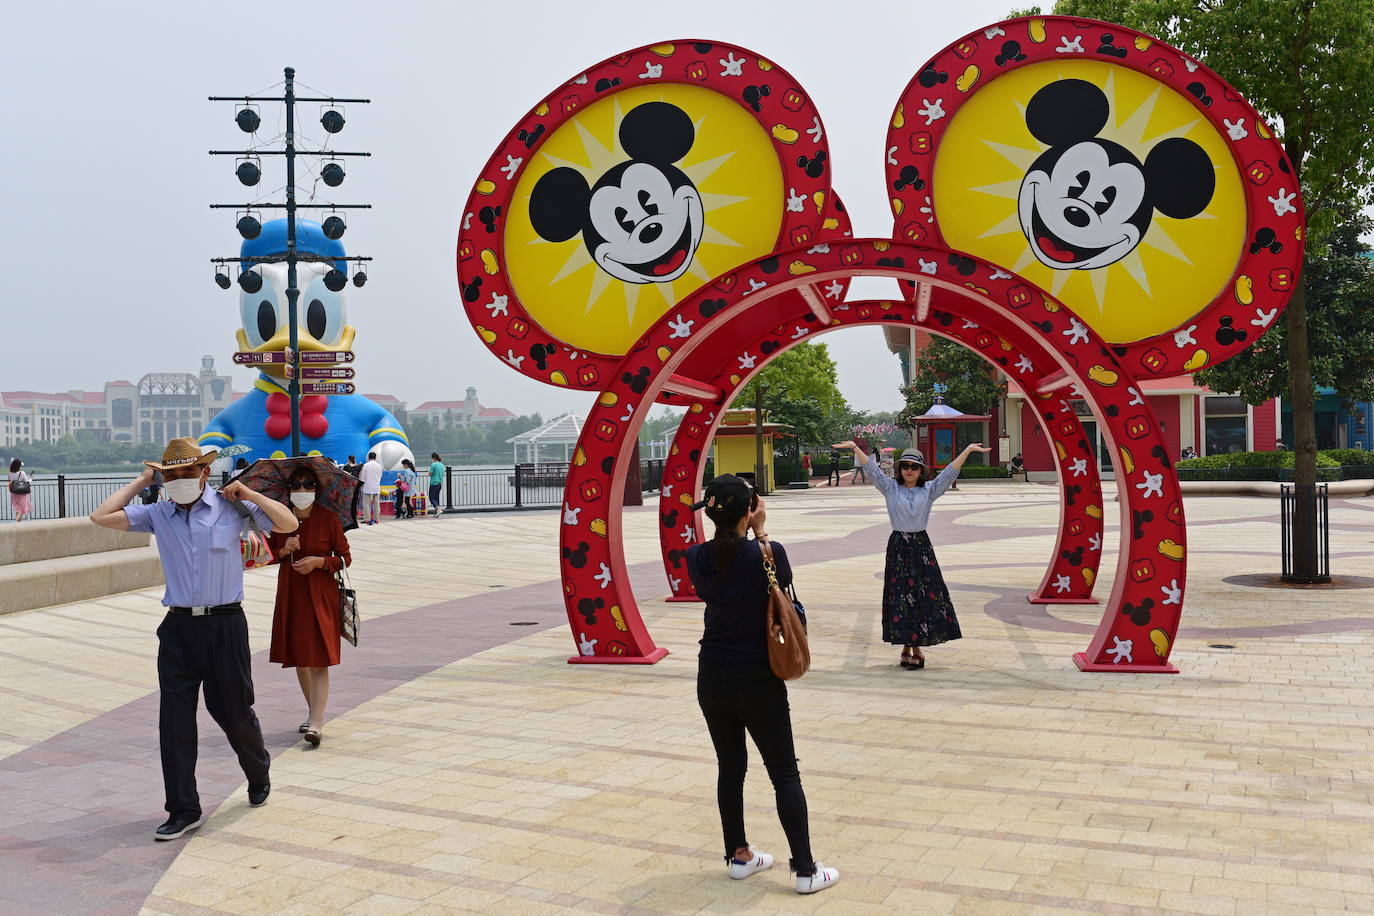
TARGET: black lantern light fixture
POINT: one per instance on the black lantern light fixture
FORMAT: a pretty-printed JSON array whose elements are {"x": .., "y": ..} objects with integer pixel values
[
  {"x": 222, "y": 279},
  {"x": 249, "y": 172},
  {"x": 250, "y": 281},
  {"x": 333, "y": 227},
  {"x": 248, "y": 226},
  {"x": 247, "y": 119},
  {"x": 332, "y": 120},
  {"x": 332, "y": 174},
  {"x": 359, "y": 277},
  {"x": 335, "y": 280}
]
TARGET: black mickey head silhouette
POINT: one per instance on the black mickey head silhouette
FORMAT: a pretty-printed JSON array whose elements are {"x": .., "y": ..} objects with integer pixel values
[
  {"x": 769, "y": 265},
  {"x": 1011, "y": 52},
  {"x": 1139, "y": 613},
  {"x": 1162, "y": 455},
  {"x": 1071, "y": 492},
  {"x": 930, "y": 77},
  {"x": 1120, "y": 351},
  {"x": 1227, "y": 335},
  {"x": 603, "y": 84},
  {"x": 1266, "y": 238},
  {"x": 1113, "y": 410},
  {"x": 676, "y": 557},
  {"x": 531, "y": 137},
  {"x": 1139, "y": 518},
  {"x": 588, "y": 607},
  {"x": 815, "y": 166},
  {"x": 669, "y": 519},
  {"x": 768, "y": 346},
  {"x": 945, "y": 319},
  {"x": 637, "y": 382},
  {"x": 488, "y": 216},
  {"x": 577, "y": 558},
  {"x": 608, "y": 464},
  {"x": 1074, "y": 557},
  {"x": 892, "y": 262},
  {"x": 753, "y": 96},
  {"x": 709, "y": 307},
  {"x": 1199, "y": 92},
  {"x": 540, "y": 353},
  {"x": 965, "y": 266},
  {"x": 694, "y": 454},
  {"x": 1045, "y": 326},
  {"x": 472, "y": 289},
  {"x": 1108, "y": 46},
  {"x": 1083, "y": 444},
  {"x": 909, "y": 176},
  {"x": 702, "y": 47}
]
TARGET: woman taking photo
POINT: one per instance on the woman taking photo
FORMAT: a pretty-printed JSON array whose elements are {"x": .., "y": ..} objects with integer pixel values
[
  {"x": 305, "y": 623},
  {"x": 917, "y": 610},
  {"x": 737, "y": 690}
]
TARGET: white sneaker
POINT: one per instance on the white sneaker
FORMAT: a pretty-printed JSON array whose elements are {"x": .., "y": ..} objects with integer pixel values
[
  {"x": 741, "y": 870},
  {"x": 823, "y": 878}
]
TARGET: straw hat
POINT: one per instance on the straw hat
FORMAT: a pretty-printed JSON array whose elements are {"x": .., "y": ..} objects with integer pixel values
[{"x": 181, "y": 453}]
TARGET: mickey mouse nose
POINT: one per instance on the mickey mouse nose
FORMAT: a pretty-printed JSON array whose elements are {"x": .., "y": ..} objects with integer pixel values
[
  {"x": 650, "y": 232},
  {"x": 1077, "y": 216}
]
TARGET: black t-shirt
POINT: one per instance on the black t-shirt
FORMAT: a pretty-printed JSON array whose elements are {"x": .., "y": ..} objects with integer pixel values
[{"x": 736, "y": 600}]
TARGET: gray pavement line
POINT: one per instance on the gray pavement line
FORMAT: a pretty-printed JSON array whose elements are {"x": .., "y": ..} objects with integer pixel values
[
  {"x": 450, "y": 879},
  {"x": 179, "y": 907},
  {"x": 1123, "y": 801},
  {"x": 958, "y": 723},
  {"x": 642, "y": 792},
  {"x": 48, "y": 701},
  {"x": 103, "y": 646},
  {"x": 689, "y": 852},
  {"x": 48, "y": 663},
  {"x": 103, "y": 621}
]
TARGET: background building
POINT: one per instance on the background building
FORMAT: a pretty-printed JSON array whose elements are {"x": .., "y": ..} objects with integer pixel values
[{"x": 452, "y": 414}]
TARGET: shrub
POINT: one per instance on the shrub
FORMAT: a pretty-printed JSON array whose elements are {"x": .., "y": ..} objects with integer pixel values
[{"x": 975, "y": 472}]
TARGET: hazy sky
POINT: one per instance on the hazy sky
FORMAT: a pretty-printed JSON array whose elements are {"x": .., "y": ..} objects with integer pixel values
[{"x": 106, "y": 178}]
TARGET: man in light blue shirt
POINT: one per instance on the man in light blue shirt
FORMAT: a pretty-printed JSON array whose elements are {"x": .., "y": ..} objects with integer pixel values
[{"x": 204, "y": 637}]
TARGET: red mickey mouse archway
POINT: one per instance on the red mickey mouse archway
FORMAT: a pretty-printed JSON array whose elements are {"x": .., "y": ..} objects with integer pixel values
[
  {"x": 1072, "y": 571},
  {"x": 1141, "y": 617}
]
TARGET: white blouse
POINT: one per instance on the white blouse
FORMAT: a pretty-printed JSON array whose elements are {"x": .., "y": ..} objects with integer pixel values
[{"x": 908, "y": 508}]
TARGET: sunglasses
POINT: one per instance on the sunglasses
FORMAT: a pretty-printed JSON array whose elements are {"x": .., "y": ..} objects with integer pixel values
[
  {"x": 304, "y": 485},
  {"x": 908, "y": 466}
]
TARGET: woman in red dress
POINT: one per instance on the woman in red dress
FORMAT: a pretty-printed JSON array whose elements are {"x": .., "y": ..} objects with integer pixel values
[{"x": 305, "y": 624}]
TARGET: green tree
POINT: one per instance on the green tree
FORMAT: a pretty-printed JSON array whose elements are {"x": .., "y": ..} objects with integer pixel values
[
  {"x": 1308, "y": 68},
  {"x": 973, "y": 386},
  {"x": 801, "y": 390},
  {"x": 1340, "y": 329}
]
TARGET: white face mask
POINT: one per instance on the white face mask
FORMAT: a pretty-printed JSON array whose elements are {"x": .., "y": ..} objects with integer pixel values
[
  {"x": 184, "y": 492},
  {"x": 302, "y": 499}
]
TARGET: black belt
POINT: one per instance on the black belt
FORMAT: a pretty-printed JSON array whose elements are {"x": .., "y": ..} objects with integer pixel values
[{"x": 235, "y": 608}]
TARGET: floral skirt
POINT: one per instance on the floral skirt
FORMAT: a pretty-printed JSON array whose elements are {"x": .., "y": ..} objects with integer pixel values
[{"x": 917, "y": 610}]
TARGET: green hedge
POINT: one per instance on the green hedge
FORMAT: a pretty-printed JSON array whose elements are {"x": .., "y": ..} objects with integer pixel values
[
  {"x": 1254, "y": 460},
  {"x": 976, "y": 472},
  {"x": 1332, "y": 464}
]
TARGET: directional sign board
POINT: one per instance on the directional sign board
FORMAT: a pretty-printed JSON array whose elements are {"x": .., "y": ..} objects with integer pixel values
[
  {"x": 309, "y": 372},
  {"x": 326, "y": 356},
  {"x": 245, "y": 358},
  {"x": 328, "y": 388}
]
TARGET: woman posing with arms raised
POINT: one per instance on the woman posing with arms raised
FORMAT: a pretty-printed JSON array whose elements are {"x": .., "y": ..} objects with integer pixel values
[
  {"x": 917, "y": 610},
  {"x": 737, "y": 689}
]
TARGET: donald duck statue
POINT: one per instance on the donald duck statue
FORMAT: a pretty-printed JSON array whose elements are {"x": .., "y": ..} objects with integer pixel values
[{"x": 334, "y": 426}]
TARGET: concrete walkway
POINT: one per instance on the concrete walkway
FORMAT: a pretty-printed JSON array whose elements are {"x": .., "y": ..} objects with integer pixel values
[{"x": 466, "y": 766}]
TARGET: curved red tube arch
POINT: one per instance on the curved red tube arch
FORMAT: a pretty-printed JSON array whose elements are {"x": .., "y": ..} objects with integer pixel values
[
  {"x": 1072, "y": 572},
  {"x": 1141, "y": 617}
]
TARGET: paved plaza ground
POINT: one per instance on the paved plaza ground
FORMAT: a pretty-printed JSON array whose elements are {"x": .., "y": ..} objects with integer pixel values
[{"x": 466, "y": 766}]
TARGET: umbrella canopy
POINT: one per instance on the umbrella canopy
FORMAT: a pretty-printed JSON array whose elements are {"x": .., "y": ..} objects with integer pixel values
[
  {"x": 234, "y": 450},
  {"x": 338, "y": 492},
  {"x": 888, "y": 448}
]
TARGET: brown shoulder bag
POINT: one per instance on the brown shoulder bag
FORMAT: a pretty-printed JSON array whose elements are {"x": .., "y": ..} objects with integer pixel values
[{"x": 788, "y": 654}]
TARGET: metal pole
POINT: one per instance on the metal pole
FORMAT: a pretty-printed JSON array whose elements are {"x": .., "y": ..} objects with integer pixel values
[
  {"x": 517, "y": 486},
  {"x": 292, "y": 293},
  {"x": 448, "y": 488},
  {"x": 760, "y": 470},
  {"x": 61, "y": 495}
]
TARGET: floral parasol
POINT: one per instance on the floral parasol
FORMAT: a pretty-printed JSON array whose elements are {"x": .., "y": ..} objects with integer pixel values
[{"x": 338, "y": 490}]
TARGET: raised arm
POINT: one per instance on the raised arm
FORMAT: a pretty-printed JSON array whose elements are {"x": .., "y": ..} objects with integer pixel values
[
  {"x": 283, "y": 519},
  {"x": 876, "y": 475},
  {"x": 110, "y": 513}
]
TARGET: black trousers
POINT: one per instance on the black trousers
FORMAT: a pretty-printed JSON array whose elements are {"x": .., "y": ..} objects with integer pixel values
[
  {"x": 210, "y": 650},
  {"x": 736, "y": 697}
]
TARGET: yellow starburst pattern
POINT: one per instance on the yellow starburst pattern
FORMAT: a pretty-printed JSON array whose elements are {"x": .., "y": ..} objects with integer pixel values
[
  {"x": 1179, "y": 266},
  {"x": 733, "y": 165}
]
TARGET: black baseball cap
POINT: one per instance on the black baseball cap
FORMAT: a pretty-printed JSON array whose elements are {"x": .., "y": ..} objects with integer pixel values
[{"x": 726, "y": 499}]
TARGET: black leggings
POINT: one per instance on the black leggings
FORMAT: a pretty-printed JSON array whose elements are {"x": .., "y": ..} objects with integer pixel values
[{"x": 740, "y": 696}]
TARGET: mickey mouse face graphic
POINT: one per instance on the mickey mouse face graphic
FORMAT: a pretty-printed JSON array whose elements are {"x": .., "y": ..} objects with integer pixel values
[
  {"x": 1087, "y": 202},
  {"x": 643, "y": 219}
]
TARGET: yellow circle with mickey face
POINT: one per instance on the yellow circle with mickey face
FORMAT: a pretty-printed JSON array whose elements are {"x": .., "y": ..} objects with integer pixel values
[
  {"x": 1099, "y": 184},
  {"x": 635, "y": 202}
]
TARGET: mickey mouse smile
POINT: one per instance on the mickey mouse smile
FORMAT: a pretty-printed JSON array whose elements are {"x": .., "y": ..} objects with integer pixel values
[
  {"x": 668, "y": 263},
  {"x": 1047, "y": 245}
]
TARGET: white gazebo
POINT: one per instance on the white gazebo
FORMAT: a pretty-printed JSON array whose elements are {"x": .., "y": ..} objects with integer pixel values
[{"x": 564, "y": 431}]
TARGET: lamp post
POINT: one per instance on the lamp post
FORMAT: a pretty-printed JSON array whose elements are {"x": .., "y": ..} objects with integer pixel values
[
  {"x": 249, "y": 174},
  {"x": 760, "y": 469}
]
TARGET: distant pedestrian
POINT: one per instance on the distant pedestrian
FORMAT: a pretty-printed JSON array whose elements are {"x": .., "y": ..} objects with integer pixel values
[
  {"x": 1018, "y": 464},
  {"x": 736, "y": 688},
  {"x": 833, "y": 477},
  {"x": 1187, "y": 453},
  {"x": 20, "y": 487},
  {"x": 305, "y": 623},
  {"x": 351, "y": 466},
  {"x": 436, "y": 483},
  {"x": 858, "y": 475},
  {"x": 240, "y": 466},
  {"x": 371, "y": 476},
  {"x": 203, "y": 640},
  {"x": 405, "y": 489},
  {"x": 917, "y": 610},
  {"x": 806, "y": 466}
]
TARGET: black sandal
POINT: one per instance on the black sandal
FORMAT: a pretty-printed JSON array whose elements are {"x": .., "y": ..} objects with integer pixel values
[{"x": 909, "y": 658}]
